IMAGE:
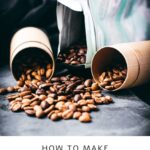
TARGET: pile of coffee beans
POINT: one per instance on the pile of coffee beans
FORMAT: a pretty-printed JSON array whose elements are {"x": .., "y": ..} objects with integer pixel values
[
  {"x": 113, "y": 77},
  {"x": 74, "y": 56},
  {"x": 63, "y": 97}
]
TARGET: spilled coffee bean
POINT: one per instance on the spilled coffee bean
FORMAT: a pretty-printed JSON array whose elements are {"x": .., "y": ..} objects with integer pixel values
[{"x": 64, "y": 97}]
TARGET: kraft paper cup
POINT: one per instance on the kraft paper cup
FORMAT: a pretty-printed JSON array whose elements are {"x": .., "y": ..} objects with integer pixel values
[
  {"x": 27, "y": 42},
  {"x": 136, "y": 56}
]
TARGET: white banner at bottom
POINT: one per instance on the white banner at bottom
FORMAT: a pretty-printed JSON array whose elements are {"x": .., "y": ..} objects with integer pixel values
[{"x": 74, "y": 143}]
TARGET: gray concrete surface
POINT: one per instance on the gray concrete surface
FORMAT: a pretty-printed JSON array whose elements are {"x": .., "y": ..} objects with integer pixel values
[{"x": 128, "y": 115}]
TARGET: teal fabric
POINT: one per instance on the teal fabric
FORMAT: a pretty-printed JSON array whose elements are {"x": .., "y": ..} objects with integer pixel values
[{"x": 120, "y": 21}]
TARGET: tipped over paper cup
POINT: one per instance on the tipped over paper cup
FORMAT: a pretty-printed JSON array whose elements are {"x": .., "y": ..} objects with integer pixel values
[
  {"x": 29, "y": 42},
  {"x": 135, "y": 57}
]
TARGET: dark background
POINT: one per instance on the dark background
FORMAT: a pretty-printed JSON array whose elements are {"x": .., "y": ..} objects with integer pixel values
[{"x": 15, "y": 14}]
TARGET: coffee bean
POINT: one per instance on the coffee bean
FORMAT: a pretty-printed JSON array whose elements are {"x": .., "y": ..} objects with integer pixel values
[
  {"x": 82, "y": 102},
  {"x": 92, "y": 107},
  {"x": 54, "y": 117},
  {"x": 30, "y": 112},
  {"x": 16, "y": 107},
  {"x": 77, "y": 97},
  {"x": 49, "y": 109},
  {"x": 42, "y": 97},
  {"x": 67, "y": 114},
  {"x": 25, "y": 93},
  {"x": 55, "y": 79},
  {"x": 62, "y": 98},
  {"x": 76, "y": 115},
  {"x": 113, "y": 77},
  {"x": 48, "y": 73},
  {"x": 80, "y": 87},
  {"x": 87, "y": 95},
  {"x": 38, "y": 111},
  {"x": 3, "y": 90},
  {"x": 94, "y": 87},
  {"x": 49, "y": 100},
  {"x": 44, "y": 105},
  {"x": 72, "y": 107},
  {"x": 85, "y": 108},
  {"x": 90, "y": 101},
  {"x": 60, "y": 105},
  {"x": 78, "y": 56},
  {"x": 35, "y": 103},
  {"x": 85, "y": 117},
  {"x": 20, "y": 83},
  {"x": 12, "y": 97},
  {"x": 45, "y": 85},
  {"x": 88, "y": 82}
]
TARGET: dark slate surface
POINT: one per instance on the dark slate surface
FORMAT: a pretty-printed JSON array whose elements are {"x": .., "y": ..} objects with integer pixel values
[{"x": 129, "y": 115}]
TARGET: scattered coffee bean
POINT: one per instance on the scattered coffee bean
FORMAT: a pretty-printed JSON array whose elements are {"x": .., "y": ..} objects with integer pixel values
[
  {"x": 64, "y": 97},
  {"x": 85, "y": 117}
]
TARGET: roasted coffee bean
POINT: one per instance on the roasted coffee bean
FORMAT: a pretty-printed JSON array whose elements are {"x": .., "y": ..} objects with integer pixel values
[
  {"x": 40, "y": 91},
  {"x": 42, "y": 97},
  {"x": 94, "y": 87},
  {"x": 10, "y": 89},
  {"x": 80, "y": 87},
  {"x": 103, "y": 100},
  {"x": 3, "y": 90},
  {"x": 30, "y": 112},
  {"x": 28, "y": 97},
  {"x": 82, "y": 102},
  {"x": 113, "y": 77},
  {"x": 63, "y": 97},
  {"x": 44, "y": 105},
  {"x": 92, "y": 107},
  {"x": 53, "y": 90},
  {"x": 49, "y": 109},
  {"x": 54, "y": 116},
  {"x": 20, "y": 83},
  {"x": 45, "y": 85},
  {"x": 77, "y": 114},
  {"x": 63, "y": 78},
  {"x": 87, "y": 95},
  {"x": 38, "y": 111},
  {"x": 49, "y": 100},
  {"x": 72, "y": 107},
  {"x": 90, "y": 101},
  {"x": 73, "y": 56},
  {"x": 85, "y": 117},
  {"x": 16, "y": 107},
  {"x": 55, "y": 79},
  {"x": 53, "y": 95},
  {"x": 88, "y": 82},
  {"x": 77, "y": 97},
  {"x": 60, "y": 105},
  {"x": 85, "y": 108},
  {"x": 25, "y": 93},
  {"x": 12, "y": 97},
  {"x": 35, "y": 103},
  {"x": 67, "y": 114}
]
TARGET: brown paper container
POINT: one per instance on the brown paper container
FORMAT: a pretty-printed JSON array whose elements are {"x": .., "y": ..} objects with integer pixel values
[
  {"x": 23, "y": 43},
  {"x": 136, "y": 56}
]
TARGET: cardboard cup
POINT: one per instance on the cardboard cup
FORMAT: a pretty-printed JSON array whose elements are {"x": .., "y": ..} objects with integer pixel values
[
  {"x": 136, "y": 56},
  {"x": 27, "y": 41}
]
